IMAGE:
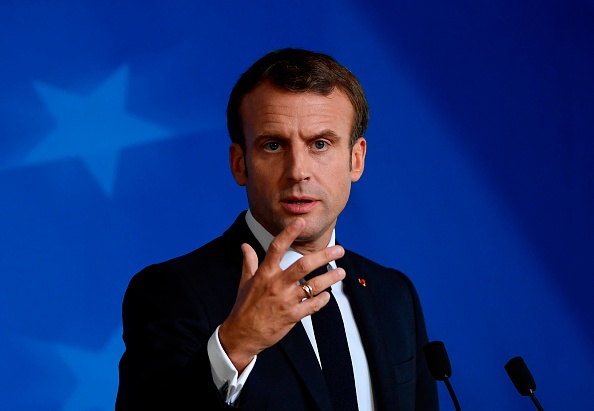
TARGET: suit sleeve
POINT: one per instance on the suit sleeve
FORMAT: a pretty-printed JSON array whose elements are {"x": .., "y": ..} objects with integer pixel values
[{"x": 165, "y": 365}]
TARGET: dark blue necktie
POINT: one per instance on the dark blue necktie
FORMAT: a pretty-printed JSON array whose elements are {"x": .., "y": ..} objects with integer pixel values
[{"x": 334, "y": 352}]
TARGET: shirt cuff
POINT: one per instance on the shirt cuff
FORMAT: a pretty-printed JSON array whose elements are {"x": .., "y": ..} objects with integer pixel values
[{"x": 224, "y": 374}]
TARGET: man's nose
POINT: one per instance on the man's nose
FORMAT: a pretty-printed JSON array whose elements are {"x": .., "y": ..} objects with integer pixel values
[{"x": 298, "y": 164}]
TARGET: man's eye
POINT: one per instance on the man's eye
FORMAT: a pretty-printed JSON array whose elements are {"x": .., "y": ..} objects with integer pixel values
[
  {"x": 272, "y": 146},
  {"x": 320, "y": 145}
]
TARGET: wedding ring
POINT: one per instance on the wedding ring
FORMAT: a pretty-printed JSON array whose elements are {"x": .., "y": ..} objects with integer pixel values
[{"x": 308, "y": 290}]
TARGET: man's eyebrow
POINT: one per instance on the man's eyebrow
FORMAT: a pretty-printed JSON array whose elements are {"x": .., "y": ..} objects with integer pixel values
[
  {"x": 269, "y": 136},
  {"x": 327, "y": 134}
]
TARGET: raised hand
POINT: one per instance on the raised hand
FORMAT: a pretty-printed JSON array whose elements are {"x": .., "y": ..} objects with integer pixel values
[{"x": 270, "y": 301}]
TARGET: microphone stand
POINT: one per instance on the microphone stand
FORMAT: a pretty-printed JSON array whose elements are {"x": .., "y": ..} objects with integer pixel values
[
  {"x": 535, "y": 401},
  {"x": 452, "y": 393}
]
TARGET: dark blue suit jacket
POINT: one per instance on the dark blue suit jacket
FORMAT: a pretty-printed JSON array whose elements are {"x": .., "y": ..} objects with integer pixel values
[{"x": 171, "y": 309}]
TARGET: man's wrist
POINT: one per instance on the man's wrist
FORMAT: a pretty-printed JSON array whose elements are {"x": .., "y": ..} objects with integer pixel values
[
  {"x": 236, "y": 353},
  {"x": 225, "y": 375}
]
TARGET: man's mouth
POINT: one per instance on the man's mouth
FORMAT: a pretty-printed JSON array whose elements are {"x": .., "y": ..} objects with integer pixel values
[
  {"x": 298, "y": 201},
  {"x": 298, "y": 205}
]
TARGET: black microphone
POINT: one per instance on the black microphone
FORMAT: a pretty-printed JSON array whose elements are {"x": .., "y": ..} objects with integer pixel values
[
  {"x": 439, "y": 366},
  {"x": 522, "y": 378}
]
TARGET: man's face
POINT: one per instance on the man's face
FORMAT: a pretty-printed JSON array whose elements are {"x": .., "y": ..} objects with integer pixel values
[{"x": 297, "y": 160}]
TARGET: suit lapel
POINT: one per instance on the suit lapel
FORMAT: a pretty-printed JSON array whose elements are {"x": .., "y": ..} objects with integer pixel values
[
  {"x": 299, "y": 351},
  {"x": 376, "y": 340}
]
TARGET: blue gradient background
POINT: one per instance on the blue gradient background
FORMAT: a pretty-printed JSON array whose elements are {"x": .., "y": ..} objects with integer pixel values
[{"x": 479, "y": 181}]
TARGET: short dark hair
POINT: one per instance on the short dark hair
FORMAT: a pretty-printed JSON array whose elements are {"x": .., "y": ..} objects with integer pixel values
[{"x": 299, "y": 71}]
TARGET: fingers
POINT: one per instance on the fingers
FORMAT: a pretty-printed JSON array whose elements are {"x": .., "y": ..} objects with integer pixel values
[
  {"x": 319, "y": 284},
  {"x": 281, "y": 243},
  {"x": 311, "y": 305},
  {"x": 310, "y": 262},
  {"x": 308, "y": 290},
  {"x": 322, "y": 282},
  {"x": 250, "y": 261}
]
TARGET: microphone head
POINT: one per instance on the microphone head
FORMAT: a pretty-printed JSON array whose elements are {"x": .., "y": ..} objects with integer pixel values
[
  {"x": 438, "y": 360},
  {"x": 520, "y": 375}
]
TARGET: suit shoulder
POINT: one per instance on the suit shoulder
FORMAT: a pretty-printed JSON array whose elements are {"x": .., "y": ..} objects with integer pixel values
[
  {"x": 386, "y": 275},
  {"x": 359, "y": 261},
  {"x": 210, "y": 266}
]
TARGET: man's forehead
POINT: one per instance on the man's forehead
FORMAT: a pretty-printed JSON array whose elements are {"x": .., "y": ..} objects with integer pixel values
[
  {"x": 267, "y": 88},
  {"x": 272, "y": 105}
]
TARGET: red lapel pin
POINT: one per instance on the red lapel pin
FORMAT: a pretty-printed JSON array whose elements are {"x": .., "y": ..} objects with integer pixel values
[{"x": 362, "y": 282}]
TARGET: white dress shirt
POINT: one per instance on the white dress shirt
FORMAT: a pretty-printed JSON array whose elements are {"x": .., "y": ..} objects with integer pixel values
[{"x": 225, "y": 373}]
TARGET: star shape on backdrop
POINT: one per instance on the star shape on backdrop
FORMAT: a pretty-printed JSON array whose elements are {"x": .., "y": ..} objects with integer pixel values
[
  {"x": 93, "y": 370},
  {"x": 95, "y": 128}
]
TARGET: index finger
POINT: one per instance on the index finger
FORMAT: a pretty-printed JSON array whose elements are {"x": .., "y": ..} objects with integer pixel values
[{"x": 281, "y": 243}]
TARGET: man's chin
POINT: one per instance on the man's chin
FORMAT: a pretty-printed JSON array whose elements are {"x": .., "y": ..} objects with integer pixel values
[{"x": 312, "y": 234}]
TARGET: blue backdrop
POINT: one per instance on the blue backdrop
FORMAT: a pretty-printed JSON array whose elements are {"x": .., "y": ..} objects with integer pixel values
[{"x": 479, "y": 181}]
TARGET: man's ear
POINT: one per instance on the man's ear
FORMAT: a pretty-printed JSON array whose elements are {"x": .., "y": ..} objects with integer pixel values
[
  {"x": 358, "y": 159},
  {"x": 237, "y": 163}
]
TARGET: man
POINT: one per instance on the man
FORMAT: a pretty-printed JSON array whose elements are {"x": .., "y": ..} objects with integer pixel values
[{"x": 235, "y": 324}]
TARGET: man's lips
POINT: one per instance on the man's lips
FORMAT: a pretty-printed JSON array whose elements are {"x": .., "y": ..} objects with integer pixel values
[
  {"x": 298, "y": 205},
  {"x": 297, "y": 200}
]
